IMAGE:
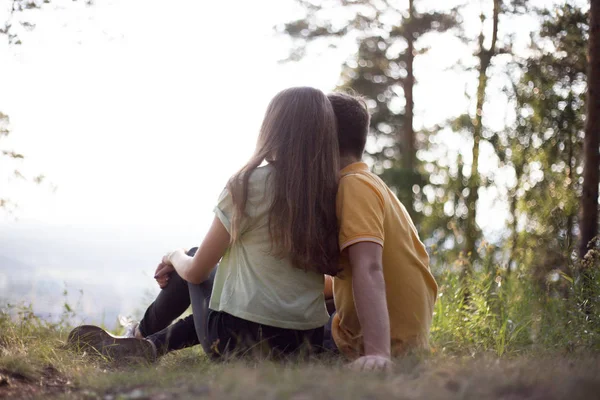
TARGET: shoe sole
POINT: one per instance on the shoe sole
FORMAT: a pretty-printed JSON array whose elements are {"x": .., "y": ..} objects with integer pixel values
[{"x": 97, "y": 340}]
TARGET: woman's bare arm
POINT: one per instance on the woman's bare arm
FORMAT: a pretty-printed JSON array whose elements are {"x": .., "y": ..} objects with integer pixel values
[{"x": 197, "y": 269}]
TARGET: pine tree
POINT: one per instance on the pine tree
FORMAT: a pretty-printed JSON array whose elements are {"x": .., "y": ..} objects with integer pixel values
[
  {"x": 382, "y": 71},
  {"x": 485, "y": 56}
]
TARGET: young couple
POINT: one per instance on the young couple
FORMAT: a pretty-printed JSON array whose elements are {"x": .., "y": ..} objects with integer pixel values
[{"x": 285, "y": 224}]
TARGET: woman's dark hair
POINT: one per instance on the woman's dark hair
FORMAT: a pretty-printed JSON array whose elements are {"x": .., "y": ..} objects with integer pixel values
[
  {"x": 353, "y": 123},
  {"x": 299, "y": 137}
]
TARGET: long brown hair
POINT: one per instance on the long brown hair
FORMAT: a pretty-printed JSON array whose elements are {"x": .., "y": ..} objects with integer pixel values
[{"x": 299, "y": 137}]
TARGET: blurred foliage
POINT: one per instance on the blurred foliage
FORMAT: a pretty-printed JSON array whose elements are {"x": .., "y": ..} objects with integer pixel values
[
  {"x": 454, "y": 187},
  {"x": 17, "y": 20},
  {"x": 545, "y": 145},
  {"x": 539, "y": 149},
  {"x": 5, "y": 202}
]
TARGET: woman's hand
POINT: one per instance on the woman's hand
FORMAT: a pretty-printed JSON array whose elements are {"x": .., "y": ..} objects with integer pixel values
[
  {"x": 163, "y": 273},
  {"x": 164, "y": 270}
]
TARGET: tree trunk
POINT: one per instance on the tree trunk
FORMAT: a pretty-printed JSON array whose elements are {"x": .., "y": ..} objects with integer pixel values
[
  {"x": 408, "y": 141},
  {"x": 514, "y": 236},
  {"x": 485, "y": 59},
  {"x": 589, "y": 199},
  {"x": 570, "y": 216}
]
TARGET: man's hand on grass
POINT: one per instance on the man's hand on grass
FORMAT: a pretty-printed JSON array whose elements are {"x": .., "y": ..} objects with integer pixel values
[
  {"x": 372, "y": 363},
  {"x": 368, "y": 286}
]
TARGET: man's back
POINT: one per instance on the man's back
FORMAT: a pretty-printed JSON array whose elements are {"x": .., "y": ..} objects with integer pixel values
[{"x": 369, "y": 211}]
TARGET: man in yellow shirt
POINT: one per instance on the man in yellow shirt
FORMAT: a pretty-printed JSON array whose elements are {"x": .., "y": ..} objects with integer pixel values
[{"x": 385, "y": 293}]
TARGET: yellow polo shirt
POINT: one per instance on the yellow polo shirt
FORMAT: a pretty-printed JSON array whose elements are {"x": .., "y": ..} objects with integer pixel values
[{"x": 368, "y": 211}]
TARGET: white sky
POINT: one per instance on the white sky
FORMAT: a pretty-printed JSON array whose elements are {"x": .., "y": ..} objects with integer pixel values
[{"x": 139, "y": 110}]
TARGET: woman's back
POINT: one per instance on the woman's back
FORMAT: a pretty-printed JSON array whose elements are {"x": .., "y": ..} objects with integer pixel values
[{"x": 252, "y": 282}]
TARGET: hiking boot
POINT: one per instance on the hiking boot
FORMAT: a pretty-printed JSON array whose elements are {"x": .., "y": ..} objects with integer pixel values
[{"x": 96, "y": 340}]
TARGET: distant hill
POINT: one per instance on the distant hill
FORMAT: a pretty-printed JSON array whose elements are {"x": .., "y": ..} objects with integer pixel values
[
  {"x": 11, "y": 263},
  {"x": 105, "y": 272}
]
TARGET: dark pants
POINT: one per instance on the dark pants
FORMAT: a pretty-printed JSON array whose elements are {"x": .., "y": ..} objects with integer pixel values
[{"x": 219, "y": 333}]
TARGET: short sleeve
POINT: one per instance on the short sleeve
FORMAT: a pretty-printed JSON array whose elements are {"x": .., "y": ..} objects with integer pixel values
[
  {"x": 224, "y": 209},
  {"x": 360, "y": 210}
]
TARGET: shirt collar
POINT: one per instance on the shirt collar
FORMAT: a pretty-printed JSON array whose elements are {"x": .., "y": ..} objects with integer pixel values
[{"x": 355, "y": 167}]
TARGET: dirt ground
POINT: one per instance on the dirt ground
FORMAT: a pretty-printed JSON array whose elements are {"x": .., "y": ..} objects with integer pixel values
[
  {"x": 48, "y": 384},
  {"x": 517, "y": 379}
]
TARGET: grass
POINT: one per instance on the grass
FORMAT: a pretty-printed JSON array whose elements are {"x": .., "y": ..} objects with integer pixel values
[
  {"x": 37, "y": 365},
  {"x": 507, "y": 338},
  {"x": 512, "y": 314}
]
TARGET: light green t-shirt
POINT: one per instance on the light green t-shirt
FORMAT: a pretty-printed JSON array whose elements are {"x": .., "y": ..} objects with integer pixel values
[{"x": 256, "y": 286}]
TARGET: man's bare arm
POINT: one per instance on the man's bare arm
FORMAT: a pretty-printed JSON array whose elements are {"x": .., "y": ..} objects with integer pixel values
[{"x": 368, "y": 285}]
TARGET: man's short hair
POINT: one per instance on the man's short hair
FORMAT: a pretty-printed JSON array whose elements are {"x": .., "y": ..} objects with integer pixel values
[{"x": 353, "y": 123}]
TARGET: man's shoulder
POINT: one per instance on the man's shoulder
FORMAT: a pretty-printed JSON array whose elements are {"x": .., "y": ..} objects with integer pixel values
[
  {"x": 360, "y": 181},
  {"x": 360, "y": 176},
  {"x": 361, "y": 188}
]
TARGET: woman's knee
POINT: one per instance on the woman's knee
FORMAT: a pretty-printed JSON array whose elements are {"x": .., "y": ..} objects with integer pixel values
[
  {"x": 191, "y": 252},
  {"x": 176, "y": 281}
]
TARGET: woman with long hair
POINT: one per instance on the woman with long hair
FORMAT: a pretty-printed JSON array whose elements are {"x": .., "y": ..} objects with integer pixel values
[{"x": 274, "y": 236}]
